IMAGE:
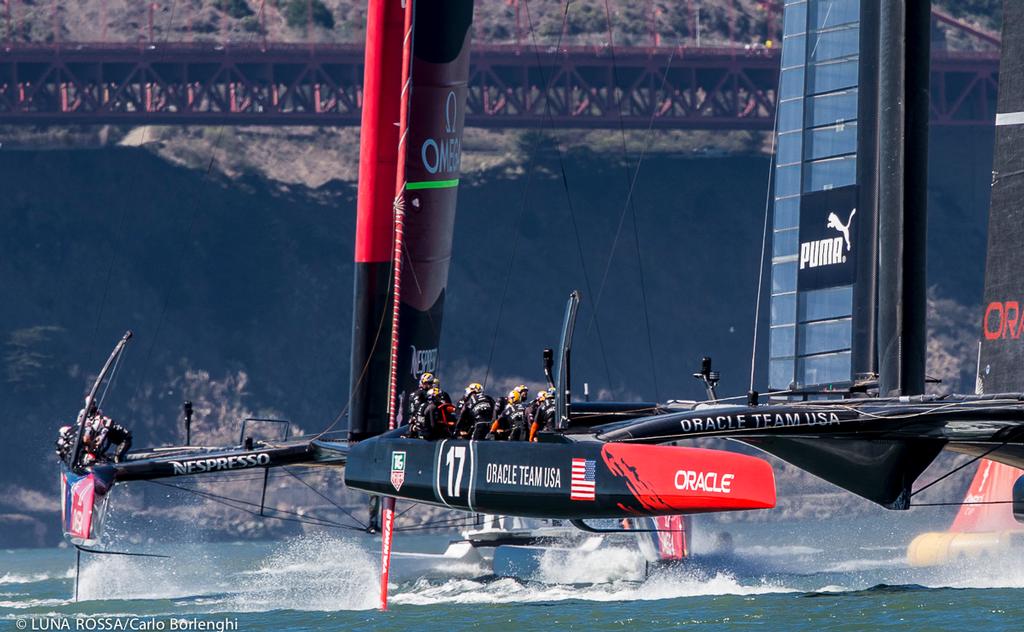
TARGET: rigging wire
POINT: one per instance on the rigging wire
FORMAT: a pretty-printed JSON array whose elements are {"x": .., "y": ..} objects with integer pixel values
[
  {"x": 195, "y": 207},
  {"x": 583, "y": 266},
  {"x": 545, "y": 81},
  {"x": 965, "y": 502},
  {"x": 111, "y": 377},
  {"x": 321, "y": 495},
  {"x": 764, "y": 250},
  {"x": 565, "y": 185},
  {"x": 229, "y": 502},
  {"x": 630, "y": 184},
  {"x": 959, "y": 467},
  {"x": 434, "y": 329},
  {"x": 124, "y": 212},
  {"x": 188, "y": 233},
  {"x": 366, "y": 364}
]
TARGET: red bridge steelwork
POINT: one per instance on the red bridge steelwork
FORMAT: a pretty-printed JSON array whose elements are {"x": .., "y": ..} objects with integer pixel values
[{"x": 206, "y": 84}]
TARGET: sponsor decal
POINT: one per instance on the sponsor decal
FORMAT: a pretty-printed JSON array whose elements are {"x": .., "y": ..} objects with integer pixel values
[
  {"x": 709, "y": 482},
  {"x": 444, "y": 155},
  {"x": 82, "y": 493},
  {"x": 828, "y": 251},
  {"x": 1003, "y": 321},
  {"x": 423, "y": 360},
  {"x": 524, "y": 475},
  {"x": 755, "y": 421},
  {"x": 217, "y": 464},
  {"x": 385, "y": 543},
  {"x": 671, "y": 545},
  {"x": 583, "y": 484},
  {"x": 660, "y": 481},
  {"x": 397, "y": 469},
  {"x": 828, "y": 239}
]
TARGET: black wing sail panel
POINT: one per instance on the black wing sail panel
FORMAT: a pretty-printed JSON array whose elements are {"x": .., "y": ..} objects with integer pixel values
[
  {"x": 440, "y": 79},
  {"x": 440, "y": 75},
  {"x": 1002, "y": 349}
]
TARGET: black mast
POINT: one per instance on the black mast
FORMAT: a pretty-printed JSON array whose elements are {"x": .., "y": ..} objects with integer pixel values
[{"x": 903, "y": 181}]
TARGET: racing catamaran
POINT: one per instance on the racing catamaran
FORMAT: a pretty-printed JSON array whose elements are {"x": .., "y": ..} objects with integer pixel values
[
  {"x": 409, "y": 176},
  {"x": 846, "y": 399}
]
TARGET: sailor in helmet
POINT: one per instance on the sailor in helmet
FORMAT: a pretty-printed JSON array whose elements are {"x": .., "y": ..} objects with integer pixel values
[
  {"x": 431, "y": 416},
  {"x": 99, "y": 433},
  {"x": 65, "y": 442},
  {"x": 474, "y": 413},
  {"x": 542, "y": 413},
  {"x": 416, "y": 405},
  {"x": 441, "y": 414},
  {"x": 512, "y": 422}
]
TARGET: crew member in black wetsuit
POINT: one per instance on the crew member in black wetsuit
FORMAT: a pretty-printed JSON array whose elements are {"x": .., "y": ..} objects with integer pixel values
[
  {"x": 440, "y": 413},
  {"x": 512, "y": 423},
  {"x": 99, "y": 434},
  {"x": 430, "y": 415},
  {"x": 418, "y": 398},
  {"x": 474, "y": 413},
  {"x": 416, "y": 405},
  {"x": 542, "y": 413},
  {"x": 65, "y": 442}
]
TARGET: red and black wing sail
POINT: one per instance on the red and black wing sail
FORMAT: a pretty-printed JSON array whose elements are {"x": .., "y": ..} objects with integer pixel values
[{"x": 440, "y": 73}]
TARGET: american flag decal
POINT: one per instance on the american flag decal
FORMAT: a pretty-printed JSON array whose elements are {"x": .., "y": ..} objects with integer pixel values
[{"x": 582, "y": 486}]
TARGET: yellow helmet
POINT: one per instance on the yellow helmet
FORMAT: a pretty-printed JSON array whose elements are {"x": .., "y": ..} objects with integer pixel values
[
  {"x": 519, "y": 394},
  {"x": 475, "y": 387},
  {"x": 427, "y": 380}
]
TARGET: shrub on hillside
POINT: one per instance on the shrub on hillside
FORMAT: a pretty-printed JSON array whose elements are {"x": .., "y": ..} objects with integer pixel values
[
  {"x": 297, "y": 14},
  {"x": 237, "y": 9}
]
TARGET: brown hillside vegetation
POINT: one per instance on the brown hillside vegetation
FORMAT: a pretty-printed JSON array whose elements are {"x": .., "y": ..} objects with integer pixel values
[{"x": 577, "y": 22}]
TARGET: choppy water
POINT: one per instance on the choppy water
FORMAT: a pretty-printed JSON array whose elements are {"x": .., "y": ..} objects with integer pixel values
[{"x": 330, "y": 582}]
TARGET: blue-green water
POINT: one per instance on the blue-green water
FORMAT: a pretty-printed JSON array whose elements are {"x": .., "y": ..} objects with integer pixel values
[{"x": 330, "y": 582}]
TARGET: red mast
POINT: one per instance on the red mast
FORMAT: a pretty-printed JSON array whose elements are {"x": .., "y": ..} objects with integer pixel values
[
  {"x": 399, "y": 208},
  {"x": 388, "y": 506},
  {"x": 378, "y": 166}
]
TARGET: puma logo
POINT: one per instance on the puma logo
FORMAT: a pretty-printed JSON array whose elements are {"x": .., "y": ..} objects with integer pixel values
[
  {"x": 834, "y": 222},
  {"x": 828, "y": 251}
]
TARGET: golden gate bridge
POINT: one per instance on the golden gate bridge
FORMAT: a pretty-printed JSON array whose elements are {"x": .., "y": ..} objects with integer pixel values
[{"x": 510, "y": 86}]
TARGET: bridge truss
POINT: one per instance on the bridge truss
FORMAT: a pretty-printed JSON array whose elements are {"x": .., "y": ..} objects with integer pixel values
[{"x": 579, "y": 87}]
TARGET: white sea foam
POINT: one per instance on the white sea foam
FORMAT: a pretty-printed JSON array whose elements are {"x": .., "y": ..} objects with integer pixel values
[
  {"x": 791, "y": 550},
  {"x": 1006, "y": 572},
  {"x": 14, "y": 578},
  {"x": 32, "y": 603},
  {"x": 859, "y": 565},
  {"x": 568, "y": 566},
  {"x": 833, "y": 588},
  {"x": 665, "y": 585},
  {"x": 121, "y": 577},
  {"x": 315, "y": 572}
]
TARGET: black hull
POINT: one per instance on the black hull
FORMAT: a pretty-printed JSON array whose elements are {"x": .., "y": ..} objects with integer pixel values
[{"x": 537, "y": 479}]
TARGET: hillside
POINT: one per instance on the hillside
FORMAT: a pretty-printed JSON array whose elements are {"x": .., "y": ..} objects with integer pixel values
[
  {"x": 584, "y": 22},
  {"x": 237, "y": 282},
  {"x": 239, "y": 290}
]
